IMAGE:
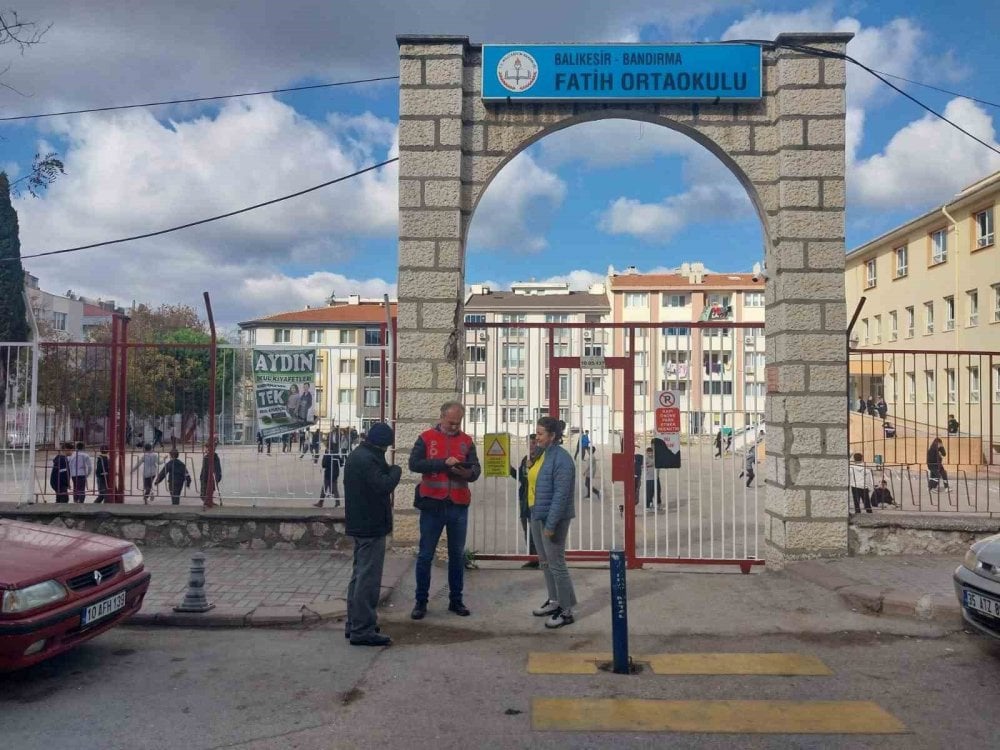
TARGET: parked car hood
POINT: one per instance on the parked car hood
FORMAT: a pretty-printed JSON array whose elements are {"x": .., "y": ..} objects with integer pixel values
[
  {"x": 989, "y": 550},
  {"x": 31, "y": 552}
]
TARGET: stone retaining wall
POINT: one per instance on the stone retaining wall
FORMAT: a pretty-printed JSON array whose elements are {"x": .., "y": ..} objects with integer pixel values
[
  {"x": 912, "y": 534},
  {"x": 250, "y": 528}
]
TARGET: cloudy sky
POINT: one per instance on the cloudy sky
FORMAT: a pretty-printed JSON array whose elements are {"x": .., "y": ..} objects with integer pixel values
[{"x": 614, "y": 192}]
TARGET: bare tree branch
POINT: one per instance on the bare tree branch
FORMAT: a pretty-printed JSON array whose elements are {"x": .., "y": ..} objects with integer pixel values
[{"x": 22, "y": 33}]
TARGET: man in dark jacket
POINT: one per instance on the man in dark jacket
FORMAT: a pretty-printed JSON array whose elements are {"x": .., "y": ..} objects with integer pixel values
[
  {"x": 59, "y": 479},
  {"x": 521, "y": 475},
  {"x": 203, "y": 476},
  {"x": 176, "y": 473},
  {"x": 368, "y": 484}
]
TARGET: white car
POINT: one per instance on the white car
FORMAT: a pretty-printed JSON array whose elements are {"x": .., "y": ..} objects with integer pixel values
[{"x": 977, "y": 586}]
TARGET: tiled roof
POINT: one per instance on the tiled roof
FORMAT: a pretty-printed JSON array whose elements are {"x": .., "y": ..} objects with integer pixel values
[
  {"x": 356, "y": 314},
  {"x": 666, "y": 281},
  {"x": 510, "y": 301}
]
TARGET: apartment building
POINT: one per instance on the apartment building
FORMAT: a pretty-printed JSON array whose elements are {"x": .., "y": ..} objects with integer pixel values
[
  {"x": 718, "y": 372},
  {"x": 506, "y": 386},
  {"x": 352, "y": 378},
  {"x": 67, "y": 317},
  {"x": 931, "y": 285}
]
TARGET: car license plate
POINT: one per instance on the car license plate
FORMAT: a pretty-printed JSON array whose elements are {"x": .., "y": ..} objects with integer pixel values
[
  {"x": 95, "y": 612},
  {"x": 982, "y": 604}
]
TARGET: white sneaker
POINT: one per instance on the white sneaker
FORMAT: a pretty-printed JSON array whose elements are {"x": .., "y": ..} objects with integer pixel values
[
  {"x": 559, "y": 618},
  {"x": 548, "y": 608}
]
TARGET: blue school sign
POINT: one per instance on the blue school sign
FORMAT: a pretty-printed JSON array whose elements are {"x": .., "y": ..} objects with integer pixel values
[{"x": 622, "y": 72}]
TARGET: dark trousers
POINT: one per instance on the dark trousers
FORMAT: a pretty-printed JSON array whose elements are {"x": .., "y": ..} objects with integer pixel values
[
  {"x": 653, "y": 488},
  {"x": 102, "y": 490},
  {"x": 147, "y": 488},
  {"x": 62, "y": 497},
  {"x": 750, "y": 477},
  {"x": 366, "y": 582},
  {"x": 524, "y": 532},
  {"x": 858, "y": 494},
  {"x": 79, "y": 489},
  {"x": 454, "y": 519}
]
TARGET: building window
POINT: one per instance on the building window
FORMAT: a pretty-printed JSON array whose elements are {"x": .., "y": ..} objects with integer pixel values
[
  {"x": 939, "y": 246},
  {"x": 512, "y": 387},
  {"x": 864, "y": 332},
  {"x": 593, "y": 385},
  {"x": 929, "y": 317},
  {"x": 949, "y": 313},
  {"x": 952, "y": 385},
  {"x": 373, "y": 367},
  {"x": 373, "y": 337},
  {"x": 514, "y": 414},
  {"x": 347, "y": 367},
  {"x": 372, "y": 397},
  {"x": 345, "y": 396},
  {"x": 314, "y": 337},
  {"x": 996, "y": 384},
  {"x": 911, "y": 387},
  {"x": 877, "y": 329},
  {"x": 870, "y": 274},
  {"x": 593, "y": 350},
  {"x": 753, "y": 299},
  {"x": 893, "y": 326},
  {"x": 346, "y": 336},
  {"x": 558, "y": 350},
  {"x": 717, "y": 388},
  {"x": 59, "y": 321},
  {"x": 911, "y": 322},
  {"x": 513, "y": 333},
  {"x": 476, "y": 414},
  {"x": 475, "y": 353},
  {"x": 972, "y": 302},
  {"x": 930, "y": 381},
  {"x": 996, "y": 303},
  {"x": 640, "y": 359},
  {"x": 902, "y": 261},
  {"x": 282, "y": 335},
  {"x": 641, "y": 388},
  {"x": 513, "y": 355},
  {"x": 477, "y": 318},
  {"x": 252, "y": 336},
  {"x": 636, "y": 299},
  {"x": 973, "y": 385},
  {"x": 475, "y": 385},
  {"x": 563, "y": 387},
  {"x": 559, "y": 333},
  {"x": 673, "y": 331},
  {"x": 674, "y": 300},
  {"x": 984, "y": 228}
]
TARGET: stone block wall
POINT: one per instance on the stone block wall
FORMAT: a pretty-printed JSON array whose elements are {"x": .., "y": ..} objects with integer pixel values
[{"x": 786, "y": 149}]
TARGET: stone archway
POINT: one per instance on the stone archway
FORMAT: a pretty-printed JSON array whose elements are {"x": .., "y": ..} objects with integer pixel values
[{"x": 787, "y": 149}]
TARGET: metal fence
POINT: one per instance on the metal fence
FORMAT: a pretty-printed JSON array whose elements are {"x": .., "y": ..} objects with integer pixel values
[
  {"x": 901, "y": 401},
  {"x": 703, "y": 511}
]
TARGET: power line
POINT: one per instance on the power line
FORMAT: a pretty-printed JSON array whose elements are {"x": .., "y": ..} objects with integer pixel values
[
  {"x": 809, "y": 50},
  {"x": 210, "y": 219},
  {"x": 938, "y": 88},
  {"x": 199, "y": 99}
]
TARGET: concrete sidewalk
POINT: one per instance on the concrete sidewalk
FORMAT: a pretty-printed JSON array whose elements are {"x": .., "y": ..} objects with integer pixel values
[
  {"x": 917, "y": 586},
  {"x": 256, "y": 588}
]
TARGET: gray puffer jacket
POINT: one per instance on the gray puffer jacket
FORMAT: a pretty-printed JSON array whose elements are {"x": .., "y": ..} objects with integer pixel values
[{"x": 554, "y": 488}]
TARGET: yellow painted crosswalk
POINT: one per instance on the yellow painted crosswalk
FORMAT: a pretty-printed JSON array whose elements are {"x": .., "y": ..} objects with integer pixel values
[{"x": 708, "y": 716}]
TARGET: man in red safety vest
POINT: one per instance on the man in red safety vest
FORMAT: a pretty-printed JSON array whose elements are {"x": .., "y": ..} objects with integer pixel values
[{"x": 446, "y": 458}]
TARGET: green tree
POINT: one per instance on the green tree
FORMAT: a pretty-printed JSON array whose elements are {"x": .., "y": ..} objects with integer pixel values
[{"x": 13, "y": 315}]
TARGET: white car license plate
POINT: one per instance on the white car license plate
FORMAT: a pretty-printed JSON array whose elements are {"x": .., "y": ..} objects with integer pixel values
[
  {"x": 103, "y": 608},
  {"x": 982, "y": 604}
]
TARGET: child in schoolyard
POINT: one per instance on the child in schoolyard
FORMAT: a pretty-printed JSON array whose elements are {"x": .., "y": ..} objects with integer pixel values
[
  {"x": 146, "y": 467},
  {"x": 177, "y": 475}
]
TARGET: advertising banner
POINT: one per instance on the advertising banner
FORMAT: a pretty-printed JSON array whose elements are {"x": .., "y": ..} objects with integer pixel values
[
  {"x": 622, "y": 72},
  {"x": 284, "y": 381}
]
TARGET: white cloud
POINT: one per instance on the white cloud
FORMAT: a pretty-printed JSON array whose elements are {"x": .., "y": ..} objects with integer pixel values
[
  {"x": 277, "y": 292},
  {"x": 605, "y": 144},
  {"x": 517, "y": 207},
  {"x": 578, "y": 279},
  {"x": 928, "y": 160},
  {"x": 659, "y": 222}
]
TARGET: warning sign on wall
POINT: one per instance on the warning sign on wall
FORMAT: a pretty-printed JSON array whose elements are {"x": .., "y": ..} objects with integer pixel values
[{"x": 496, "y": 454}]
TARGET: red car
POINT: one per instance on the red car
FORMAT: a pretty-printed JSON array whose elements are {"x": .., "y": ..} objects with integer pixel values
[{"x": 60, "y": 587}]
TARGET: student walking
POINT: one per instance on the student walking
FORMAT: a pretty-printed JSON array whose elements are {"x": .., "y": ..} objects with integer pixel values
[
  {"x": 147, "y": 464},
  {"x": 59, "y": 477},
  {"x": 101, "y": 474},
  {"x": 935, "y": 465},
  {"x": 207, "y": 502},
  {"x": 176, "y": 473},
  {"x": 331, "y": 470},
  {"x": 80, "y": 467},
  {"x": 748, "y": 465},
  {"x": 860, "y": 484}
]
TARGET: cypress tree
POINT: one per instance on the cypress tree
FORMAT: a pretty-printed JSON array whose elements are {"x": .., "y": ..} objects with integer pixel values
[{"x": 13, "y": 320}]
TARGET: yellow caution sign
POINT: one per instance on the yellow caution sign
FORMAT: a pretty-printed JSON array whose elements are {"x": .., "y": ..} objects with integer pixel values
[{"x": 496, "y": 454}]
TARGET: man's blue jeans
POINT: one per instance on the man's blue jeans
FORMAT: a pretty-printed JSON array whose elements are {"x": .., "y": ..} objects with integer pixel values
[{"x": 454, "y": 519}]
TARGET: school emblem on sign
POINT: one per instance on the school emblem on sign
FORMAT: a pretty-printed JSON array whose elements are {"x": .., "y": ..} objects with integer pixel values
[{"x": 517, "y": 71}]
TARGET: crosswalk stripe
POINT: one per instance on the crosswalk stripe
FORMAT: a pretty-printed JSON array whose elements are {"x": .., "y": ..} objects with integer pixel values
[
  {"x": 684, "y": 664},
  {"x": 712, "y": 716}
]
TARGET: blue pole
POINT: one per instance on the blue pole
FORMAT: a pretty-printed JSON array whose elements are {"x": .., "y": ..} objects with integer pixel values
[{"x": 619, "y": 612}]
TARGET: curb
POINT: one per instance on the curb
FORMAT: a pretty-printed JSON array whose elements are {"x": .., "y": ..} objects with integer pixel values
[
  {"x": 876, "y": 600},
  {"x": 268, "y": 617}
]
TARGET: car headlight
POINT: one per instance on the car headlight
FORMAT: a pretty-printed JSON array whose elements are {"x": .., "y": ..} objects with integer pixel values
[
  {"x": 971, "y": 559},
  {"x": 131, "y": 560},
  {"x": 32, "y": 597}
]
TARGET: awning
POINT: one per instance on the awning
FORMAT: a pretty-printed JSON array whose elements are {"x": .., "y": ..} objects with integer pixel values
[{"x": 867, "y": 366}]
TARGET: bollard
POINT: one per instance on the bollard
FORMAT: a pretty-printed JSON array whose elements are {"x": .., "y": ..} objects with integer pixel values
[
  {"x": 194, "y": 597},
  {"x": 619, "y": 613}
]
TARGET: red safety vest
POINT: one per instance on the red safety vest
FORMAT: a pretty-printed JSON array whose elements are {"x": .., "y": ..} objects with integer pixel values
[{"x": 443, "y": 485}]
